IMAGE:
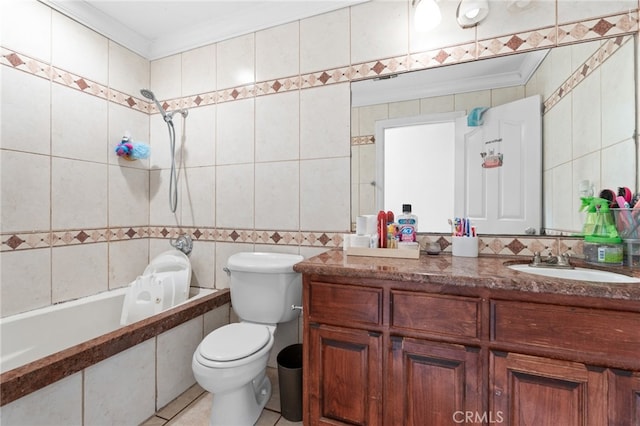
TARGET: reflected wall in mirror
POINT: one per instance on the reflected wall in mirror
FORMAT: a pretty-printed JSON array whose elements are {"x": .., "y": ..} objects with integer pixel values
[{"x": 589, "y": 121}]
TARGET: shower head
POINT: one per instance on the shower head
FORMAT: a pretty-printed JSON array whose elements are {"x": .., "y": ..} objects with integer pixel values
[{"x": 149, "y": 95}]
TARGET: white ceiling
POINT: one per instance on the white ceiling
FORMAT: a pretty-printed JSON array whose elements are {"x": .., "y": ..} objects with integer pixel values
[{"x": 159, "y": 28}]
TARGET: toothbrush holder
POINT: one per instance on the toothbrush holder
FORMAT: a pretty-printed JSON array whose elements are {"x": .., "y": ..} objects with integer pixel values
[{"x": 465, "y": 246}]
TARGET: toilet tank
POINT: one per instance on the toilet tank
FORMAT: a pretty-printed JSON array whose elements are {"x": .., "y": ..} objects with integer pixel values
[{"x": 264, "y": 286}]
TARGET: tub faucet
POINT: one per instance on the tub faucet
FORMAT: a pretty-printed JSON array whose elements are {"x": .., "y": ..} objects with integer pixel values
[
  {"x": 183, "y": 243},
  {"x": 559, "y": 261}
]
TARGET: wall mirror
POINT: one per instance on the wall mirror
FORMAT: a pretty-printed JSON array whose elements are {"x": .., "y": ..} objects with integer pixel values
[{"x": 588, "y": 93}]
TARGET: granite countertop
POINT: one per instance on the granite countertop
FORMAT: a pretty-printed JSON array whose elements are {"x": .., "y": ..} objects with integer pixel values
[{"x": 484, "y": 271}]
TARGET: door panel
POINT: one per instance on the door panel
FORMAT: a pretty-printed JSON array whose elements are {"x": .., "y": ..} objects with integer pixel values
[
  {"x": 346, "y": 384},
  {"x": 527, "y": 390},
  {"x": 501, "y": 197}
]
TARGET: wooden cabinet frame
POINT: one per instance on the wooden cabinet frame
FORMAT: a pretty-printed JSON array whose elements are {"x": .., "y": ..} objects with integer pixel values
[{"x": 401, "y": 353}]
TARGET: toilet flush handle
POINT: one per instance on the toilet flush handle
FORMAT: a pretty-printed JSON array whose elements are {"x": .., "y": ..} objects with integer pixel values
[
  {"x": 227, "y": 271},
  {"x": 296, "y": 308}
]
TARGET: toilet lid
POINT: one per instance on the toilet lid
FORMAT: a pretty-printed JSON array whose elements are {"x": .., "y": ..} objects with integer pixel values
[{"x": 234, "y": 341}]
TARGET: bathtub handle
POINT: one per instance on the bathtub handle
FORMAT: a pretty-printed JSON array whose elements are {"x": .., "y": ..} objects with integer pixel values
[{"x": 227, "y": 271}]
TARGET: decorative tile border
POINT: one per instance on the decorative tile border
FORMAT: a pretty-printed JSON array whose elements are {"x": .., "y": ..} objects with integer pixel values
[
  {"x": 598, "y": 28},
  {"x": 584, "y": 70},
  {"x": 21, "y": 241},
  {"x": 26, "y": 241},
  {"x": 532, "y": 40},
  {"x": 498, "y": 46},
  {"x": 57, "y": 75},
  {"x": 363, "y": 140},
  {"x": 512, "y": 246},
  {"x": 491, "y": 245},
  {"x": 36, "y": 240}
]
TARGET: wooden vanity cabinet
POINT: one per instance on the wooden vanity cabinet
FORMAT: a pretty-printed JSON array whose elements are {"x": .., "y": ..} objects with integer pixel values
[
  {"x": 389, "y": 353},
  {"x": 624, "y": 398},
  {"x": 343, "y": 381},
  {"x": 547, "y": 390},
  {"x": 431, "y": 382},
  {"x": 346, "y": 384},
  {"x": 529, "y": 390}
]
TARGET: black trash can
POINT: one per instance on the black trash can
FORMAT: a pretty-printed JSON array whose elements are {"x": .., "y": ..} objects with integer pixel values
[{"x": 290, "y": 380}]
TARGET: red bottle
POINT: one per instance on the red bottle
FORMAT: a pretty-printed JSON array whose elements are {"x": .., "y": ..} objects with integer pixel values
[{"x": 382, "y": 229}]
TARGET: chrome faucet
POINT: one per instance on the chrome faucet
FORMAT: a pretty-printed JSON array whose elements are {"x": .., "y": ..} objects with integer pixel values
[{"x": 559, "y": 261}]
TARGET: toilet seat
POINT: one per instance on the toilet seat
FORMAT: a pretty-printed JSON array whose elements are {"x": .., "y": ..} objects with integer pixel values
[{"x": 234, "y": 341}]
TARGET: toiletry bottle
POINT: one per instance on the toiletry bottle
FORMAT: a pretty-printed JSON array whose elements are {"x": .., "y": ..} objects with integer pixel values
[
  {"x": 382, "y": 229},
  {"x": 392, "y": 233},
  {"x": 408, "y": 224}
]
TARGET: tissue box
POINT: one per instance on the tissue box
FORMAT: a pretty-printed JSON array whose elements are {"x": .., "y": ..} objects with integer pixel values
[{"x": 465, "y": 246}]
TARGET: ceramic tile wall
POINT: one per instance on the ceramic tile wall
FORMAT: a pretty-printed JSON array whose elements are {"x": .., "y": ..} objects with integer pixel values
[
  {"x": 63, "y": 111},
  {"x": 63, "y": 187},
  {"x": 60, "y": 403},
  {"x": 174, "y": 360},
  {"x": 600, "y": 99},
  {"x": 128, "y": 379}
]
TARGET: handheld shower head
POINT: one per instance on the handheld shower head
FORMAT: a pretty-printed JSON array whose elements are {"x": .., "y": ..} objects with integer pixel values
[{"x": 149, "y": 95}]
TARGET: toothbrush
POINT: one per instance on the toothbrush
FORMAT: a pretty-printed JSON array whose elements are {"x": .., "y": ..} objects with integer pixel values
[
  {"x": 624, "y": 192},
  {"x": 622, "y": 202}
]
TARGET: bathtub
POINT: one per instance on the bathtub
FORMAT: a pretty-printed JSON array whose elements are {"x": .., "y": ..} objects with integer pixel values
[{"x": 45, "y": 345}]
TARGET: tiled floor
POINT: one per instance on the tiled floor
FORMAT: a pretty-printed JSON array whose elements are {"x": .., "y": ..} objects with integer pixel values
[{"x": 193, "y": 408}]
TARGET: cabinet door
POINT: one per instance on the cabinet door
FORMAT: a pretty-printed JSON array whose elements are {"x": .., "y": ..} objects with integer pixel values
[
  {"x": 345, "y": 380},
  {"x": 432, "y": 383},
  {"x": 528, "y": 390},
  {"x": 624, "y": 398}
]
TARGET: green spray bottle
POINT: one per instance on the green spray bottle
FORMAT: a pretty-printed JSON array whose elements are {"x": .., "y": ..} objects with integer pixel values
[
  {"x": 602, "y": 244},
  {"x": 597, "y": 210},
  {"x": 605, "y": 224}
]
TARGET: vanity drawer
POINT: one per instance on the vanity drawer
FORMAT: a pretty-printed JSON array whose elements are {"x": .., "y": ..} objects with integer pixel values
[
  {"x": 344, "y": 304},
  {"x": 445, "y": 315},
  {"x": 593, "y": 331}
]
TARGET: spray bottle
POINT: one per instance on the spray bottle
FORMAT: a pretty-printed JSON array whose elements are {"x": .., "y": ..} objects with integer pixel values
[
  {"x": 602, "y": 244},
  {"x": 592, "y": 205}
]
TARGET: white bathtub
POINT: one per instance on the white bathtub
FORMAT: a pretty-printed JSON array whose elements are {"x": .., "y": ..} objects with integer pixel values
[
  {"x": 32, "y": 335},
  {"x": 76, "y": 339}
]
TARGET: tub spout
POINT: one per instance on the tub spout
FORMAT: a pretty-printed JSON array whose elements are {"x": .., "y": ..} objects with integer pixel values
[{"x": 184, "y": 243}]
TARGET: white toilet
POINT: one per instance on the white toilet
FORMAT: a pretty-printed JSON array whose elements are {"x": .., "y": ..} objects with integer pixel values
[{"x": 231, "y": 361}]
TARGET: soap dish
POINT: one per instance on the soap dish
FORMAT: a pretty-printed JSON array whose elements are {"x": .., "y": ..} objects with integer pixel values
[{"x": 433, "y": 249}]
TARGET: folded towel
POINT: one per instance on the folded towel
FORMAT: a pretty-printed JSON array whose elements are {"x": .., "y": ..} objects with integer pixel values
[{"x": 474, "y": 118}]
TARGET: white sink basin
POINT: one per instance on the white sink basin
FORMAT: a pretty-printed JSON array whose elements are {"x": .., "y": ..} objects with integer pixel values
[{"x": 580, "y": 274}]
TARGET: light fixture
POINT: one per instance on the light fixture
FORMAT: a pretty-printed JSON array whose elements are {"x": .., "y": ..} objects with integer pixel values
[
  {"x": 427, "y": 15},
  {"x": 471, "y": 12}
]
